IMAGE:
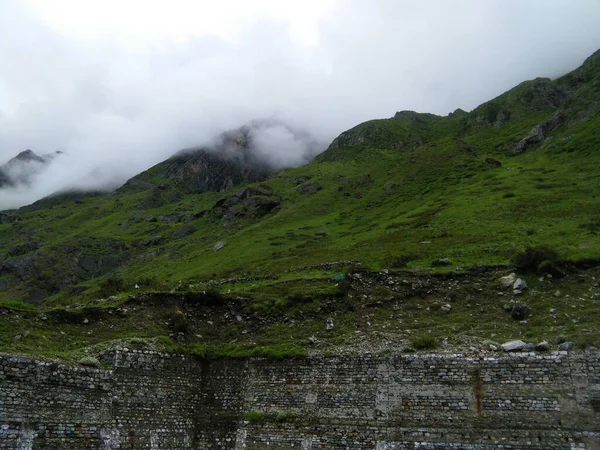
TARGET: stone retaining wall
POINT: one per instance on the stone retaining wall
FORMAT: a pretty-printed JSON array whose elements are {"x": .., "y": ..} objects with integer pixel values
[{"x": 148, "y": 400}]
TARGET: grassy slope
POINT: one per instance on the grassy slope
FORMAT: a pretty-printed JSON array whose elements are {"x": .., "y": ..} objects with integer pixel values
[{"x": 392, "y": 190}]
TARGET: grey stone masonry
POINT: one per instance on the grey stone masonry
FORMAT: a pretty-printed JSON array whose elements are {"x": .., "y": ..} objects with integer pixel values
[{"x": 149, "y": 400}]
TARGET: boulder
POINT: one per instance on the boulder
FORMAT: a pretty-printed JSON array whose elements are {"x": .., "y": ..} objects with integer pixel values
[
  {"x": 493, "y": 162},
  {"x": 520, "y": 285},
  {"x": 566, "y": 346},
  {"x": 309, "y": 188},
  {"x": 508, "y": 280},
  {"x": 513, "y": 346},
  {"x": 184, "y": 231},
  {"x": 543, "y": 346},
  {"x": 219, "y": 245},
  {"x": 520, "y": 311},
  {"x": 301, "y": 180},
  {"x": 329, "y": 325},
  {"x": 154, "y": 240},
  {"x": 440, "y": 262}
]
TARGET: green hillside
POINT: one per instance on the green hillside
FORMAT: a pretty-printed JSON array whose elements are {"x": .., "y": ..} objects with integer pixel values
[{"x": 421, "y": 195}]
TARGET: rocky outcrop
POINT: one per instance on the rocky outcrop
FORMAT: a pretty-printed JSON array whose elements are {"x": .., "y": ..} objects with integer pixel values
[
  {"x": 537, "y": 134},
  {"x": 251, "y": 202},
  {"x": 234, "y": 157}
]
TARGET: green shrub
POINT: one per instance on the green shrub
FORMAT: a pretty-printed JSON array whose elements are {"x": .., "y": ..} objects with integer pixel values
[
  {"x": 111, "y": 286},
  {"x": 167, "y": 343},
  {"x": 399, "y": 261},
  {"x": 546, "y": 266},
  {"x": 256, "y": 416},
  {"x": 284, "y": 416},
  {"x": 534, "y": 258},
  {"x": 178, "y": 323},
  {"x": 17, "y": 304},
  {"x": 423, "y": 341}
]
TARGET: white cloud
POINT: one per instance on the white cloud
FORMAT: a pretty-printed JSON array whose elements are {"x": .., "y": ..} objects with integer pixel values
[{"x": 121, "y": 85}]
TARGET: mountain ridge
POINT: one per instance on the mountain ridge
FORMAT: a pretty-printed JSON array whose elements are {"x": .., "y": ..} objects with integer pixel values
[
  {"x": 433, "y": 154},
  {"x": 402, "y": 234}
]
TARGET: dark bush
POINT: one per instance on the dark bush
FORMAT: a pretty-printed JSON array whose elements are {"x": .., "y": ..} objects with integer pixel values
[
  {"x": 148, "y": 283},
  {"x": 423, "y": 341},
  {"x": 399, "y": 261},
  {"x": 111, "y": 286},
  {"x": 532, "y": 259},
  {"x": 179, "y": 323}
]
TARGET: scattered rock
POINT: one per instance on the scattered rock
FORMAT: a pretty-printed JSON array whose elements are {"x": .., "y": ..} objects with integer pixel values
[
  {"x": 520, "y": 311},
  {"x": 557, "y": 294},
  {"x": 566, "y": 346},
  {"x": 309, "y": 188},
  {"x": 517, "y": 292},
  {"x": 312, "y": 340},
  {"x": 301, "y": 180},
  {"x": 86, "y": 320},
  {"x": 219, "y": 245},
  {"x": 508, "y": 280},
  {"x": 543, "y": 346},
  {"x": 154, "y": 240},
  {"x": 553, "y": 311},
  {"x": 447, "y": 307},
  {"x": 440, "y": 262},
  {"x": 329, "y": 325},
  {"x": 493, "y": 162},
  {"x": 184, "y": 231},
  {"x": 89, "y": 361},
  {"x": 513, "y": 346},
  {"x": 520, "y": 284}
]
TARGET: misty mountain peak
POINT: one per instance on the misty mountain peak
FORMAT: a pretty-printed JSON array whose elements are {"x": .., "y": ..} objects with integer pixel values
[
  {"x": 21, "y": 169},
  {"x": 247, "y": 153},
  {"x": 27, "y": 155}
]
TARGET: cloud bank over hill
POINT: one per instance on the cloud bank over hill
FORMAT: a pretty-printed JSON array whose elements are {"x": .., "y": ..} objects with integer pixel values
[{"x": 120, "y": 86}]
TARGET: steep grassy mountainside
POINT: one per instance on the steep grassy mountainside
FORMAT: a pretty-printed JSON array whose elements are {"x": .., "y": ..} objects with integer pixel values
[{"x": 418, "y": 193}]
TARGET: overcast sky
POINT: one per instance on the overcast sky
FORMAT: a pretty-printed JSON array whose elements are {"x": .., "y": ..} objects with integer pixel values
[{"x": 119, "y": 85}]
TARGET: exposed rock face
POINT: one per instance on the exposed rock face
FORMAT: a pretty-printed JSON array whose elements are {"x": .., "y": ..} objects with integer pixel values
[
  {"x": 232, "y": 158},
  {"x": 218, "y": 168},
  {"x": 248, "y": 203},
  {"x": 537, "y": 134},
  {"x": 309, "y": 188}
]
